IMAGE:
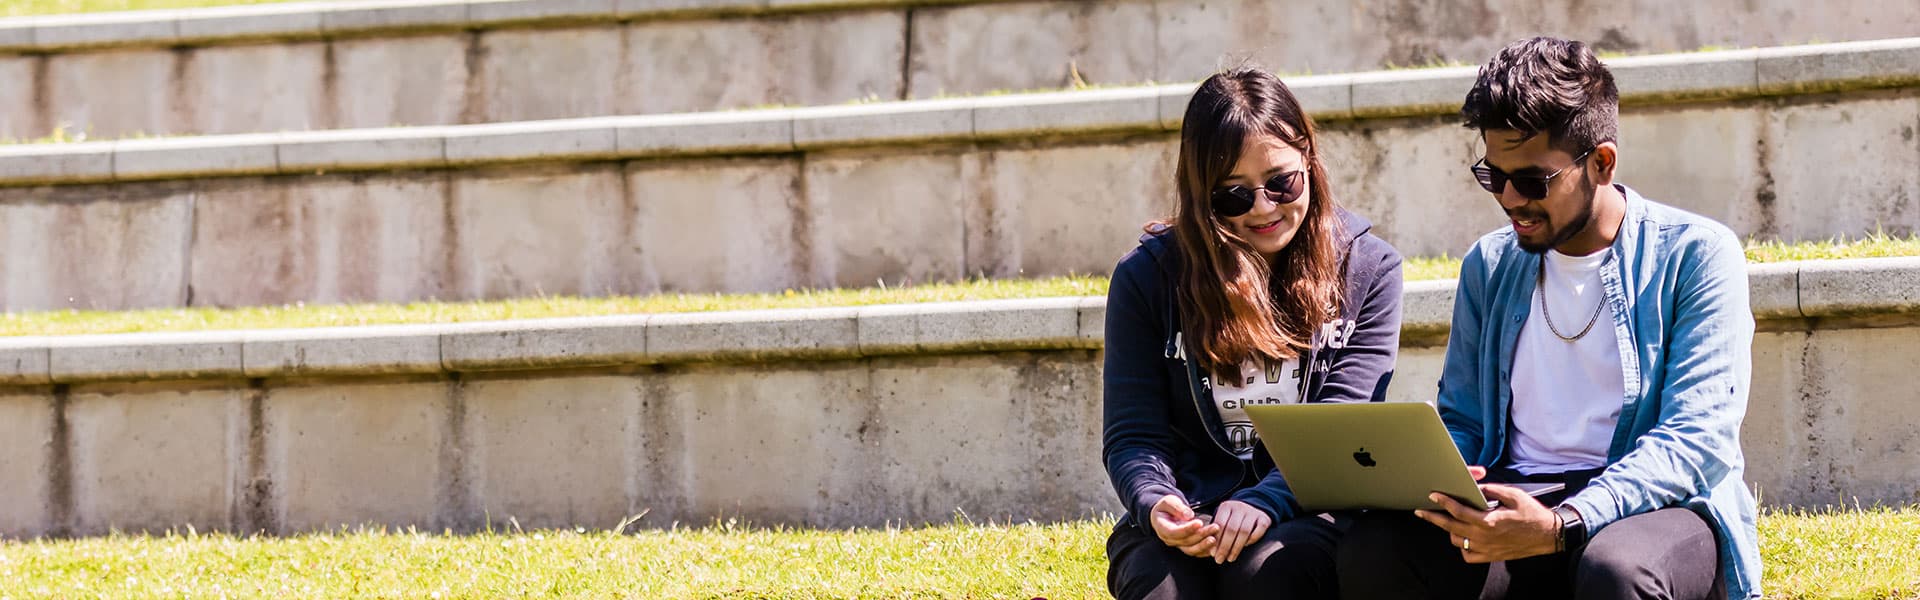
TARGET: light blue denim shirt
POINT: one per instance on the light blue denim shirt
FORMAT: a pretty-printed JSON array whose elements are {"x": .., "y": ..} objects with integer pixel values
[{"x": 1677, "y": 285}]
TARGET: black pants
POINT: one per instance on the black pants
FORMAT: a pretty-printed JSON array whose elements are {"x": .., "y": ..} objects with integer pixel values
[
  {"x": 1667, "y": 553},
  {"x": 1295, "y": 559}
]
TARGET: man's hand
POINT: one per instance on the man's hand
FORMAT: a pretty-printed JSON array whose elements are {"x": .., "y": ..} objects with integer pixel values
[
  {"x": 1519, "y": 528},
  {"x": 1178, "y": 527},
  {"x": 1240, "y": 525}
]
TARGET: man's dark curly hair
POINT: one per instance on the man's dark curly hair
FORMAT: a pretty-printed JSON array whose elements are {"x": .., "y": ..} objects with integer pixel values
[{"x": 1547, "y": 85}]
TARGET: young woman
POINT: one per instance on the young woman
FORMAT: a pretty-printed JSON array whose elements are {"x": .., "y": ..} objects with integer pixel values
[{"x": 1259, "y": 290}]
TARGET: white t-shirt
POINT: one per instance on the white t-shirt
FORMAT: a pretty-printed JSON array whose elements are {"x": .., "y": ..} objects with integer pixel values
[
  {"x": 1566, "y": 395},
  {"x": 1261, "y": 382}
]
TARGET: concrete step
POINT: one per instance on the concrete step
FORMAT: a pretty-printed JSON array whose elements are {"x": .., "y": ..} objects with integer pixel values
[
  {"x": 820, "y": 417},
  {"x": 1000, "y": 186},
  {"x": 381, "y": 63}
]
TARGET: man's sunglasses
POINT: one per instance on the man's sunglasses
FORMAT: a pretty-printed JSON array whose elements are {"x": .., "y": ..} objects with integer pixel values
[
  {"x": 1529, "y": 187},
  {"x": 1236, "y": 200}
]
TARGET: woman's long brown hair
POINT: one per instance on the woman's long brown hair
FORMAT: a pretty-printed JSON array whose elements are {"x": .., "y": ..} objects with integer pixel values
[{"x": 1234, "y": 305}]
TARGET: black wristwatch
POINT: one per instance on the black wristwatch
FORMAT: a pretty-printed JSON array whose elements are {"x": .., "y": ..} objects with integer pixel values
[{"x": 1573, "y": 531}]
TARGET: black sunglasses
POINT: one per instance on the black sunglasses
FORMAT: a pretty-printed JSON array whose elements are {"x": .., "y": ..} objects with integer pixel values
[
  {"x": 1529, "y": 187},
  {"x": 1236, "y": 200}
]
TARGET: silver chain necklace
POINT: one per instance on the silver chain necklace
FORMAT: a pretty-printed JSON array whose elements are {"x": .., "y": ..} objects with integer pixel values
[{"x": 1540, "y": 291}]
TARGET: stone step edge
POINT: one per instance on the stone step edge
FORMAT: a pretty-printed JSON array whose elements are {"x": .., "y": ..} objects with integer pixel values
[
  {"x": 296, "y": 21},
  {"x": 1158, "y": 108},
  {"x": 1779, "y": 291}
]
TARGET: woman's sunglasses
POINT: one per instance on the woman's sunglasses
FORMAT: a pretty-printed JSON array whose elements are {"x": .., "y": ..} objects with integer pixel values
[
  {"x": 1530, "y": 187},
  {"x": 1236, "y": 200}
]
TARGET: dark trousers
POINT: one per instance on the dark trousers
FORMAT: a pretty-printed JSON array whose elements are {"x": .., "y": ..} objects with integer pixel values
[
  {"x": 1667, "y": 553},
  {"x": 1295, "y": 559}
]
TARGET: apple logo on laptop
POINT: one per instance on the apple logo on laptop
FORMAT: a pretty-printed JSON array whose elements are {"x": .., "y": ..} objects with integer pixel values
[{"x": 1364, "y": 457}]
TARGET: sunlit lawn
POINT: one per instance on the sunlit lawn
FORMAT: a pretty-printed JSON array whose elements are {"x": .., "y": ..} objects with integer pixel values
[{"x": 1849, "y": 554}]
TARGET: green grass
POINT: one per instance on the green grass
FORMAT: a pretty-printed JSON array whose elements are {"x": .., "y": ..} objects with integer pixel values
[
  {"x": 721, "y": 561},
  {"x": 1875, "y": 245},
  {"x": 1849, "y": 554},
  {"x": 60, "y": 135},
  {"x": 1427, "y": 268},
  {"x": 1872, "y": 553},
  {"x": 71, "y": 322}
]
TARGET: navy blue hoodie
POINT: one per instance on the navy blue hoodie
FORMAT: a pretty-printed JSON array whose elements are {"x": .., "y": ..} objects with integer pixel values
[{"x": 1162, "y": 429}]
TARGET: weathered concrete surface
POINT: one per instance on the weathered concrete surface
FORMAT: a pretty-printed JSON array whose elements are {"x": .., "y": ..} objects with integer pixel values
[
  {"x": 1008, "y": 434},
  {"x": 1410, "y": 178},
  {"x": 674, "y": 69},
  {"x": 1330, "y": 36},
  {"x": 544, "y": 343},
  {"x": 1038, "y": 415},
  {"x": 360, "y": 453},
  {"x": 95, "y": 248},
  {"x": 1778, "y": 431},
  {"x": 529, "y": 75},
  {"x": 413, "y": 81},
  {"x": 545, "y": 232},
  {"x": 557, "y": 452},
  {"x": 209, "y": 355},
  {"x": 854, "y": 218},
  {"x": 1838, "y": 426},
  {"x": 949, "y": 327},
  {"x": 26, "y": 458},
  {"x": 1877, "y": 183},
  {"x": 832, "y": 58},
  {"x": 17, "y": 112},
  {"x": 358, "y": 239},
  {"x": 1058, "y": 211},
  {"x": 762, "y": 443},
  {"x": 111, "y": 94},
  {"x": 263, "y": 88},
  {"x": 1032, "y": 45},
  {"x": 725, "y": 225},
  {"x": 1706, "y": 161},
  {"x": 439, "y": 64},
  {"x": 1856, "y": 288},
  {"x": 756, "y": 221},
  {"x": 753, "y": 335},
  {"x": 149, "y": 458},
  {"x": 375, "y": 350},
  {"x": 914, "y": 231},
  {"x": 1416, "y": 373}
]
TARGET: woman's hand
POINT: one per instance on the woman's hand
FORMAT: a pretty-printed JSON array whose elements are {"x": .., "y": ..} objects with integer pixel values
[
  {"x": 1178, "y": 527},
  {"x": 1240, "y": 526}
]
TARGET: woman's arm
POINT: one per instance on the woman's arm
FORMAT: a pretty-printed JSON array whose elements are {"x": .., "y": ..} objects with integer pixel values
[
  {"x": 1137, "y": 435},
  {"x": 1364, "y": 350}
]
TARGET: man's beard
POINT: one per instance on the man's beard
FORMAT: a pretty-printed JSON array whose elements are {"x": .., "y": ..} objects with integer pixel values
[{"x": 1561, "y": 235}]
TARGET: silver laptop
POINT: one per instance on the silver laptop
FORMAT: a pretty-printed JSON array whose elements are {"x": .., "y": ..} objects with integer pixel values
[{"x": 1387, "y": 455}]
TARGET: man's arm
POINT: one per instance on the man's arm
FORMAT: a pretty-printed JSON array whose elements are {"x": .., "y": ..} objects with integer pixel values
[{"x": 1708, "y": 368}]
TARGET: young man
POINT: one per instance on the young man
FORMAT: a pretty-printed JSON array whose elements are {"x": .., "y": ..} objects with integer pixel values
[{"x": 1602, "y": 340}]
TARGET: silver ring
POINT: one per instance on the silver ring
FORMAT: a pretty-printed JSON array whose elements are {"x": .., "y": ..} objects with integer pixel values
[{"x": 1466, "y": 544}]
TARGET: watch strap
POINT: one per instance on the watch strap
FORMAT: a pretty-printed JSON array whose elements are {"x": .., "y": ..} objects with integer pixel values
[{"x": 1573, "y": 529}]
